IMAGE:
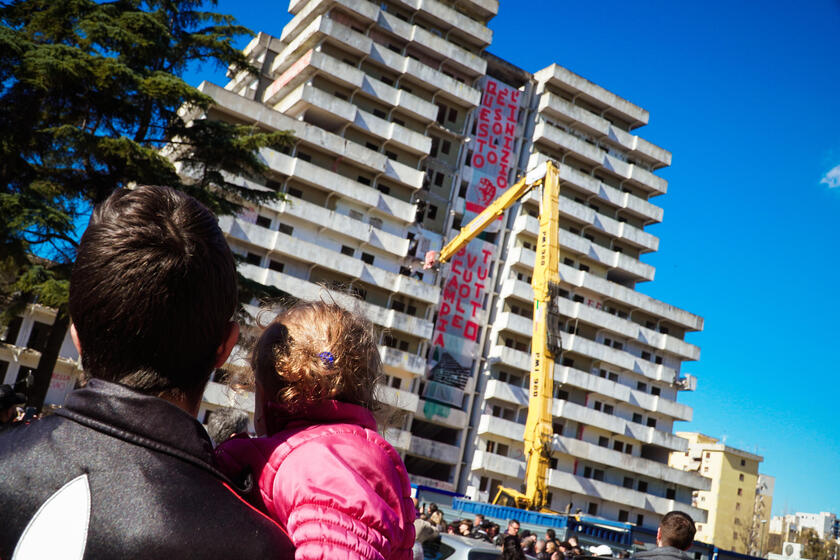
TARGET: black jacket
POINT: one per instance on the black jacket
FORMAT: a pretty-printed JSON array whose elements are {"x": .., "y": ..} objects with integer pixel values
[
  {"x": 664, "y": 553},
  {"x": 136, "y": 480}
]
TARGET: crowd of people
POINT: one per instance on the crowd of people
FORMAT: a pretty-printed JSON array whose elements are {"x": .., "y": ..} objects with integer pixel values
[{"x": 125, "y": 470}]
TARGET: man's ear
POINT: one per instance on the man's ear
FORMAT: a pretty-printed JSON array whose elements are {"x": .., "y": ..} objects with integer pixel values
[
  {"x": 226, "y": 347},
  {"x": 74, "y": 335},
  {"x": 659, "y": 536}
]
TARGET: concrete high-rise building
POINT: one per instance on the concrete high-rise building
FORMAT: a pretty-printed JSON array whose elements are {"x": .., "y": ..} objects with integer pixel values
[
  {"x": 407, "y": 127},
  {"x": 739, "y": 500},
  {"x": 21, "y": 344}
]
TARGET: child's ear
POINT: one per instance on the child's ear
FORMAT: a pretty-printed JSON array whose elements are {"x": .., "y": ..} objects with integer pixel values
[{"x": 226, "y": 347}]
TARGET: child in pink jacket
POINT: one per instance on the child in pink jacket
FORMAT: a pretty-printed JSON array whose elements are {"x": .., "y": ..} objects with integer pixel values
[{"x": 322, "y": 470}]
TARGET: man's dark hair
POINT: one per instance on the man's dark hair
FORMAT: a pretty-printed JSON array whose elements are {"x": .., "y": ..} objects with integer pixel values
[
  {"x": 152, "y": 291},
  {"x": 677, "y": 529},
  {"x": 225, "y": 422}
]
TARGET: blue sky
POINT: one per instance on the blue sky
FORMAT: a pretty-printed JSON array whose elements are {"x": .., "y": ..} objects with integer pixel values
[{"x": 746, "y": 95}]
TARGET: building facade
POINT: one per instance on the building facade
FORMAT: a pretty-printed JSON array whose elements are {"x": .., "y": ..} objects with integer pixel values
[
  {"x": 825, "y": 524},
  {"x": 405, "y": 128},
  {"x": 739, "y": 500},
  {"x": 21, "y": 344}
]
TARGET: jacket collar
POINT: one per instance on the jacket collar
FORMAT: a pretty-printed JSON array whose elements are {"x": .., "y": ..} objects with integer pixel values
[
  {"x": 322, "y": 412},
  {"x": 141, "y": 419}
]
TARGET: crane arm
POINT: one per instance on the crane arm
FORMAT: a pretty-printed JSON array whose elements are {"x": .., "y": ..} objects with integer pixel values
[{"x": 493, "y": 211}]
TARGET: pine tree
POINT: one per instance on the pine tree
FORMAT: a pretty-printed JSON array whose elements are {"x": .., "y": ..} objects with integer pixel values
[{"x": 90, "y": 94}]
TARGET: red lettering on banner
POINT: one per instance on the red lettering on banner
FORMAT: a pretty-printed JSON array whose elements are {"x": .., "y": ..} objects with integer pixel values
[
  {"x": 458, "y": 306},
  {"x": 455, "y": 265},
  {"x": 471, "y": 331},
  {"x": 457, "y": 321},
  {"x": 476, "y": 305},
  {"x": 481, "y": 272},
  {"x": 478, "y": 288},
  {"x": 438, "y": 340},
  {"x": 487, "y": 254}
]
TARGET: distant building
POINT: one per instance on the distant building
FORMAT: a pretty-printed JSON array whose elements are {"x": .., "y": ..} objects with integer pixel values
[
  {"x": 21, "y": 344},
  {"x": 739, "y": 500},
  {"x": 825, "y": 524}
]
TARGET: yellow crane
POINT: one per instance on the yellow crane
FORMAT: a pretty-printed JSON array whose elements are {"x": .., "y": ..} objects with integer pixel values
[{"x": 545, "y": 341}]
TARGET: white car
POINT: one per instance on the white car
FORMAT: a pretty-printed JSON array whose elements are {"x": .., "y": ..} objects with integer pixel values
[{"x": 453, "y": 547}]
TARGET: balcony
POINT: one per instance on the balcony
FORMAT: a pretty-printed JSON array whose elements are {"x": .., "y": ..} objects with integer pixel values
[
  {"x": 322, "y": 218},
  {"x": 315, "y": 62},
  {"x": 400, "y": 439},
  {"x": 416, "y": 479},
  {"x": 340, "y": 185},
  {"x": 595, "y": 384},
  {"x": 617, "y": 358},
  {"x": 557, "y": 139},
  {"x": 498, "y": 465},
  {"x": 434, "y": 450},
  {"x": 280, "y": 243},
  {"x": 513, "y": 288},
  {"x": 511, "y": 322},
  {"x": 640, "y": 239},
  {"x": 617, "y": 292},
  {"x": 364, "y": 11},
  {"x": 397, "y": 398},
  {"x": 497, "y": 427},
  {"x": 467, "y": 62},
  {"x": 510, "y": 357},
  {"x": 614, "y": 459},
  {"x": 583, "y": 247},
  {"x": 397, "y": 362},
  {"x": 441, "y": 414},
  {"x": 569, "y": 81},
  {"x": 251, "y": 111},
  {"x": 618, "y": 494},
  {"x": 448, "y": 18},
  {"x": 601, "y": 129},
  {"x": 443, "y": 86},
  {"x": 304, "y": 289},
  {"x": 318, "y": 30},
  {"x": 588, "y": 416},
  {"x": 617, "y": 425},
  {"x": 306, "y": 97},
  {"x": 629, "y": 329},
  {"x": 640, "y": 207}
]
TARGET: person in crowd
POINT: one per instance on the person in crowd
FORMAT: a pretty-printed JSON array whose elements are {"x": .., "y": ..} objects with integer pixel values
[
  {"x": 480, "y": 532},
  {"x": 564, "y": 548},
  {"x": 527, "y": 540},
  {"x": 322, "y": 470},
  {"x": 539, "y": 550},
  {"x": 550, "y": 535},
  {"x": 573, "y": 548},
  {"x": 424, "y": 532},
  {"x": 550, "y": 547},
  {"x": 673, "y": 537},
  {"x": 511, "y": 543},
  {"x": 436, "y": 518},
  {"x": 124, "y": 470},
  {"x": 10, "y": 400},
  {"x": 493, "y": 535},
  {"x": 224, "y": 423},
  {"x": 465, "y": 528},
  {"x": 478, "y": 521}
]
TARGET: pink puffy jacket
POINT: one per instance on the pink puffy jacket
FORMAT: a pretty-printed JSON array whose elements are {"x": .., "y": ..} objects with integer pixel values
[{"x": 332, "y": 481}]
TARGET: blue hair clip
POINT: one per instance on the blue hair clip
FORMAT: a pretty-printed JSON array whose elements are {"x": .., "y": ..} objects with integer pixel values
[{"x": 327, "y": 358}]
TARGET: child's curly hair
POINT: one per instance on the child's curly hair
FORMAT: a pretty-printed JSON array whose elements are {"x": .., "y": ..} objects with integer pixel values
[{"x": 316, "y": 351}]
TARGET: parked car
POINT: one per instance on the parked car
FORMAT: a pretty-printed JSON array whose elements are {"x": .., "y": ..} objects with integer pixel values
[{"x": 453, "y": 547}]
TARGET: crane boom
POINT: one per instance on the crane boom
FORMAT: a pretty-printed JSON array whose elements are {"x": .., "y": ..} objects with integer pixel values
[{"x": 545, "y": 343}]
